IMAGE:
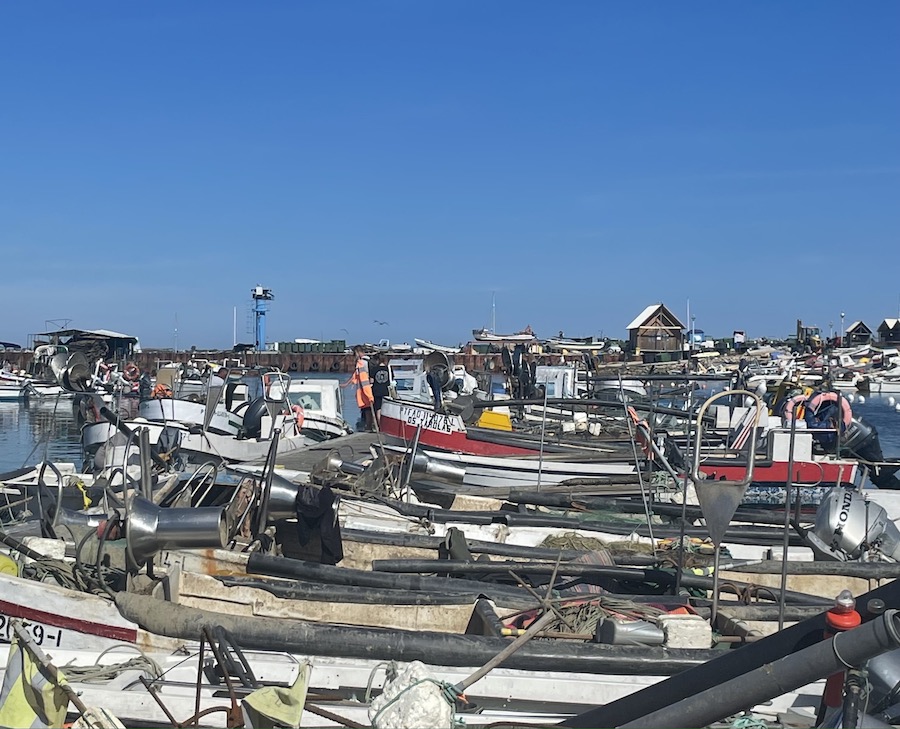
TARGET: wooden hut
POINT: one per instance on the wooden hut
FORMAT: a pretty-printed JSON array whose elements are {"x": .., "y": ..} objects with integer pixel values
[
  {"x": 889, "y": 332},
  {"x": 857, "y": 333},
  {"x": 656, "y": 335}
]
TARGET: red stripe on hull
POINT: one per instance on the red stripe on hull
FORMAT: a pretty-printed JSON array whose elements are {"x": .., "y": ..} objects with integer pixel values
[
  {"x": 454, "y": 442},
  {"x": 113, "y": 632},
  {"x": 824, "y": 474}
]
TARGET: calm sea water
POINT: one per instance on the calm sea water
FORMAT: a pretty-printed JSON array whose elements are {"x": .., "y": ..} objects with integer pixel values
[{"x": 47, "y": 430}]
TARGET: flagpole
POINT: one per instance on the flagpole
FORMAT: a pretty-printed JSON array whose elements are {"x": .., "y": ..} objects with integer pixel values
[{"x": 58, "y": 679}]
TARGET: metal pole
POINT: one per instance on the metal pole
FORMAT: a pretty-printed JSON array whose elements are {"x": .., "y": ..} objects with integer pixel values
[
  {"x": 28, "y": 644},
  {"x": 684, "y": 493},
  {"x": 632, "y": 432},
  {"x": 411, "y": 457},
  {"x": 543, "y": 432},
  {"x": 787, "y": 513}
]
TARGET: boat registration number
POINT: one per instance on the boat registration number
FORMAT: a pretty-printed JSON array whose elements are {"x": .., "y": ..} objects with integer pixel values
[
  {"x": 428, "y": 420},
  {"x": 43, "y": 635}
]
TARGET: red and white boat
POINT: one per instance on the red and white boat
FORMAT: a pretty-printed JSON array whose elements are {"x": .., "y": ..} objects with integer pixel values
[{"x": 449, "y": 433}]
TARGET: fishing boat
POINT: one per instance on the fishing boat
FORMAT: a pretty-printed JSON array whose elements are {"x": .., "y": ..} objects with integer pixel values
[
  {"x": 238, "y": 423},
  {"x": 487, "y": 335},
  {"x": 279, "y": 610},
  {"x": 322, "y": 405},
  {"x": 432, "y": 347}
]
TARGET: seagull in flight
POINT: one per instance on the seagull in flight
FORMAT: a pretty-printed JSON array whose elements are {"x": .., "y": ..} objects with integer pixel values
[{"x": 380, "y": 323}]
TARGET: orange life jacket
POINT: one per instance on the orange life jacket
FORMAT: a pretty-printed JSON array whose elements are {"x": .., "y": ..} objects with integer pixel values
[{"x": 364, "y": 396}]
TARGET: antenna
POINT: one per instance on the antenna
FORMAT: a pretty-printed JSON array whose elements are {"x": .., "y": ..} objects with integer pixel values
[
  {"x": 176, "y": 331},
  {"x": 493, "y": 312}
]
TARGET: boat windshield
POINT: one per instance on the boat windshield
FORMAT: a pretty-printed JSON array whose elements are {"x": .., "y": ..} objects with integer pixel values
[{"x": 307, "y": 400}]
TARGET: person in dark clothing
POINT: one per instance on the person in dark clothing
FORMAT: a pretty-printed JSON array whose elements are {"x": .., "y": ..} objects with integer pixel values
[{"x": 381, "y": 381}]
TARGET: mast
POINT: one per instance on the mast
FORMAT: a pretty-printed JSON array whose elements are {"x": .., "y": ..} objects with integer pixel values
[{"x": 493, "y": 312}]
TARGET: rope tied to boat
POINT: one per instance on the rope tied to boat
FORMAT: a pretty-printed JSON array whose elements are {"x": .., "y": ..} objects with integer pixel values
[
  {"x": 748, "y": 721},
  {"x": 448, "y": 691}
]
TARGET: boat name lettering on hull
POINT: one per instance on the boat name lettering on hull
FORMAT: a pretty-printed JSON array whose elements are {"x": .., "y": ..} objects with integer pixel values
[
  {"x": 428, "y": 420},
  {"x": 43, "y": 635}
]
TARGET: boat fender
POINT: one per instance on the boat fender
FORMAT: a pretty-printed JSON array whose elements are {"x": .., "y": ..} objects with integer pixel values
[
  {"x": 292, "y": 367},
  {"x": 298, "y": 415},
  {"x": 335, "y": 366},
  {"x": 642, "y": 429},
  {"x": 132, "y": 373},
  {"x": 314, "y": 367},
  {"x": 160, "y": 391}
]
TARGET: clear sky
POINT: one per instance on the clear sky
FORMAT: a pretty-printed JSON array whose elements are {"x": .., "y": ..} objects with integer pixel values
[{"x": 402, "y": 161}]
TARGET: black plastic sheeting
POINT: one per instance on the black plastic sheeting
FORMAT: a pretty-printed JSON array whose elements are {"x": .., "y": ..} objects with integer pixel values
[
  {"x": 740, "y": 535},
  {"x": 726, "y": 667},
  {"x": 382, "y": 644},
  {"x": 262, "y": 564},
  {"x": 347, "y": 593},
  {"x": 587, "y": 572}
]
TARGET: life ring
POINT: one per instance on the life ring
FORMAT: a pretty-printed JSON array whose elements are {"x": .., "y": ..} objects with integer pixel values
[
  {"x": 816, "y": 401},
  {"x": 314, "y": 367},
  {"x": 132, "y": 373},
  {"x": 335, "y": 366},
  {"x": 292, "y": 367},
  {"x": 298, "y": 415},
  {"x": 789, "y": 405}
]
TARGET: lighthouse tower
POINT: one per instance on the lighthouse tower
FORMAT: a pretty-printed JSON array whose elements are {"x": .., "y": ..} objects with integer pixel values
[{"x": 261, "y": 299}]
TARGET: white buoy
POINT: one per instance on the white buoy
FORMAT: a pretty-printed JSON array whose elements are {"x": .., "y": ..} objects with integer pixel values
[
  {"x": 897, "y": 406},
  {"x": 862, "y": 400},
  {"x": 851, "y": 398},
  {"x": 892, "y": 401}
]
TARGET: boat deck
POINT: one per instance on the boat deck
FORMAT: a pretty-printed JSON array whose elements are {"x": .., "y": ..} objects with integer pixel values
[{"x": 352, "y": 447}]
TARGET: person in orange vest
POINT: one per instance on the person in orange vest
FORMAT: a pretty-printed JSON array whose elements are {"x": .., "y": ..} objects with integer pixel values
[{"x": 360, "y": 377}]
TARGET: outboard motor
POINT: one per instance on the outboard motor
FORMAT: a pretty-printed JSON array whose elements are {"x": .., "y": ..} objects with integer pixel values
[
  {"x": 438, "y": 375},
  {"x": 848, "y": 527},
  {"x": 861, "y": 440},
  {"x": 884, "y": 680},
  {"x": 71, "y": 371},
  {"x": 253, "y": 415}
]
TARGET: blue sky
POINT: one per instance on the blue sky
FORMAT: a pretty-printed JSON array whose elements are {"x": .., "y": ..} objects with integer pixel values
[{"x": 402, "y": 161}]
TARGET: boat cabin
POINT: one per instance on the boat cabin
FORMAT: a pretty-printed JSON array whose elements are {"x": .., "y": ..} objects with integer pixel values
[
  {"x": 656, "y": 334},
  {"x": 94, "y": 343}
]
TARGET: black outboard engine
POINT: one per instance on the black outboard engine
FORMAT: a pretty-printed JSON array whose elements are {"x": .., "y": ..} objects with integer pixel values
[
  {"x": 253, "y": 415},
  {"x": 884, "y": 680},
  {"x": 861, "y": 440}
]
